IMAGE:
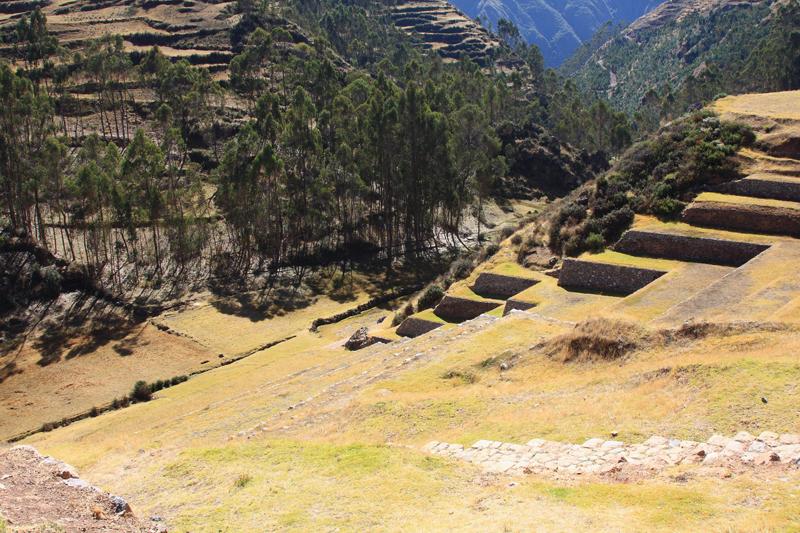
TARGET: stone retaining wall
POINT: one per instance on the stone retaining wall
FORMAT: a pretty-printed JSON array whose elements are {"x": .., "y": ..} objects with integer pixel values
[
  {"x": 749, "y": 218},
  {"x": 414, "y": 327},
  {"x": 599, "y": 456},
  {"x": 499, "y": 286},
  {"x": 517, "y": 305},
  {"x": 758, "y": 188},
  {"x": 685, "y": 248},
  {"x": 605, "y": 278},
  {"x": 455, "y": 309}
]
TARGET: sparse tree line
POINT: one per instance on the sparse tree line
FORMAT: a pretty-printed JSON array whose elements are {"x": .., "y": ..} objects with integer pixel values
[{"x": 96, "y": 166}]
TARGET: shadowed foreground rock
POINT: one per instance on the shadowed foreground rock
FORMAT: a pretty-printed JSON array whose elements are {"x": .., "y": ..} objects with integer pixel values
[{"x": 42, "y": 493}]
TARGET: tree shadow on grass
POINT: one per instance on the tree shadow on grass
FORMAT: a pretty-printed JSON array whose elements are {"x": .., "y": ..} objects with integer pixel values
[{"x": 87, "y": 325}]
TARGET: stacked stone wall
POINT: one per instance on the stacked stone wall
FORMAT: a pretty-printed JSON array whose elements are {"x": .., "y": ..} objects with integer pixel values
[
  {"x": 605, "y": 278},
  {"x": 455, "y": 309},
  {"x": 499, "y": 286},
  {"x": 414, "y": 327},
  {"x": 685, "y": 248},
  {"x": 749, "y": 218}
]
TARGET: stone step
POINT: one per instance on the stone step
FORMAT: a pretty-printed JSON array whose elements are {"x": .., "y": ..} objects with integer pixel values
[
  {"x": 605, "y": 277},
  {"x": 667, "y": 291},
  {"x": 458, "y": 309},
  {"x": 549, "y": 300},
  {"x": 758, "y": 290},
  {"x": 745, "y": 214},
  {"x": 501, "y": 286},
  {"x": 766, "y": 185},
  {"x": 685, "y": 244},
  {"x": 602, "y": 457},
  {"x": 413, "y": 327}
]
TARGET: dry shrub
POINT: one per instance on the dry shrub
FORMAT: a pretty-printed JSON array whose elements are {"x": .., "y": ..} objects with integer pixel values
[
  {"x": 693, "y": 331},
  {"x": 465, "y": 376},
  {"x": 600, "y": 339}
]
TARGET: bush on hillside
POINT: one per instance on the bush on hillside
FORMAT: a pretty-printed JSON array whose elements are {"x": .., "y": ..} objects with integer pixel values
[
  {"x": 430, "y": 298},
  {"x": 141, "y": 392},
  {"x": 461, "y": 268},
  {"x": 657, "y": 177}
]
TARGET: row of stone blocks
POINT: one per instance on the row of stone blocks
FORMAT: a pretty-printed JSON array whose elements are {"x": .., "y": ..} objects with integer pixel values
[
  {"x": 788, "y": 190},
  {"x": 501, "y": 287},
  {"x": 605, "y": 278},
  {"x": 456, "y": 309},
  {"x": 414, "y": 327},
  {"x": 770, "y": 220},
  {"x": 599, "y": 456},
  {"x": 686, "y": 248}
]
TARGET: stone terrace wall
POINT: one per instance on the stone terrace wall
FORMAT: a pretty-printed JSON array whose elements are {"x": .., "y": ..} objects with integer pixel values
[
  {"x": 750, "y": 218},
  {"x": 517, "y": 305},
  {"x": 499, "y": 286},
  {"x": 601, "y": 457},
  {"x": 414, "y": 327},
  {"x": 684, "y": 248},
  {"x": 779, "y": 190},
  {"x": 605, "y": 278},
  {"x": 456, "y": 309}
]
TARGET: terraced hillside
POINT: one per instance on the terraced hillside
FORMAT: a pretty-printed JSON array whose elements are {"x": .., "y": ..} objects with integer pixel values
[
  {"x": 198, "y": 31},
  {"x": 727, "y": 259},
  {"x": 444, "y": 29},
  {"x": 515, "y": 411}
]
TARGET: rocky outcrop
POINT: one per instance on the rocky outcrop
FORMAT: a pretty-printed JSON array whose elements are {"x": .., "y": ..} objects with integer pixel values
[
  {"x": 41, "y": 492},
  {"x": 360, "y": 339},
  {"x": 542, "y": 165},
  {"x": 685, "y": 248},
  {"x": 605, "y": 278}
]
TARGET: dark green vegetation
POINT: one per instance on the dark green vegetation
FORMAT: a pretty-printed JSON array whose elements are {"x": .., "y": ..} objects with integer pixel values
[
  {"x": 141, "y": 172},
  {"x": 656, "y": 177},
  {"x": 662, "y": 70}
]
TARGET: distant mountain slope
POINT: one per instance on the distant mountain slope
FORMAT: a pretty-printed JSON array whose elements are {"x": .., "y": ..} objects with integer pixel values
[
  {"x": 558, "y": 27},
  {"x": 686, "y": 51}
]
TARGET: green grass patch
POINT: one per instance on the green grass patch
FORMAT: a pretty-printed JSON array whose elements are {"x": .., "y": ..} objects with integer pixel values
[
  {"x": 655, "y": 504},
  {"x": 429, "y": 316},
  {"x": 301, "y": 486},
  {"x": 617, "y": 258},
  {"x": 512, "y": 269}
]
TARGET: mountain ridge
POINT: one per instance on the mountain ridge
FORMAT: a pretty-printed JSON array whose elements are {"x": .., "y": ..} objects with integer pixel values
[{"x": 558, "y": 27}]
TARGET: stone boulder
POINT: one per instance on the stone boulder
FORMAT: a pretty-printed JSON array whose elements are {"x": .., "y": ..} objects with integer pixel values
[{"x": 359, "y": 340}]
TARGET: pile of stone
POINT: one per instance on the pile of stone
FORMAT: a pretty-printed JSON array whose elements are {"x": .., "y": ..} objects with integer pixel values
[{"x": 599, "y": 456}]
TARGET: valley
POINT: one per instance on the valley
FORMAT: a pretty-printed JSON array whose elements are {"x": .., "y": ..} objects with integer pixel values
[
  {"x": 294, "y": 420},
  {"x": 372, "y": 266}
]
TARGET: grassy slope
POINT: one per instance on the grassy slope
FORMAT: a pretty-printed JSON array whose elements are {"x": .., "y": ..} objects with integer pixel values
[
  {"x": 348, "y": 457},
  {"x": 332, "y": 466}
]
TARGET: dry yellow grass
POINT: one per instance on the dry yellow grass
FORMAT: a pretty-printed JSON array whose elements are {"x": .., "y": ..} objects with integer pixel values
[
  {"x": 341, "y": 461},
  {"x": 781, "y": 105},
  {"x": 79, "y": 380},
  {"x": 745, "y": 200},
  {"x": 649, "y": 223},
  {"x": 330, "y": 440}
]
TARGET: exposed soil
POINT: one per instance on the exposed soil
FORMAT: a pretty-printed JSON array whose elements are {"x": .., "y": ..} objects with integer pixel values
[{"x": 40, "y": 493}]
